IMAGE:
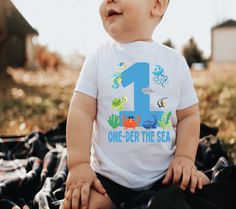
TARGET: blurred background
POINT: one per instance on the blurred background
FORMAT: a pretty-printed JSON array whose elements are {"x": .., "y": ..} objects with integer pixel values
[{"x": 43, "y": 45}]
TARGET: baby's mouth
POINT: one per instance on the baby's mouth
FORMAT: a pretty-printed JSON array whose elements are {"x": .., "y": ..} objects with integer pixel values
[{"x": 112, "y": 13}]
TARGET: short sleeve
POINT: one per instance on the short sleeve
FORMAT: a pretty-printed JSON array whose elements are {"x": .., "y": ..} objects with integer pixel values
[
  {"x": 188, "y": 96},
  {"x": 87, "y": 81}
]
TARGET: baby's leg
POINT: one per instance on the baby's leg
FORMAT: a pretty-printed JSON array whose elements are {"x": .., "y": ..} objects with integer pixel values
[
  {"x": 205, "y": 179},
  {"x": 98, "y": 201}
]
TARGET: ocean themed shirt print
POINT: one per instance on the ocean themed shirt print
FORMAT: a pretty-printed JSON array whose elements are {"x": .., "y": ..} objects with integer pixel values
[{"x": 153, "y": 125}]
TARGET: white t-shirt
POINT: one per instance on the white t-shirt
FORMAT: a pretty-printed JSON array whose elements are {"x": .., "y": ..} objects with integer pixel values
[{"x": 138, "y": 87}]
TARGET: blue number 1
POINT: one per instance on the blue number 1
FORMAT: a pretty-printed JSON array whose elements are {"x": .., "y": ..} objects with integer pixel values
[{"x": 139, "y": 75}]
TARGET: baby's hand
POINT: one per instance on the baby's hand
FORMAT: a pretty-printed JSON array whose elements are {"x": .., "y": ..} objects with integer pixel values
[
  {"x": 183, "y": 172},
  {"x": 80, "y": 178}
]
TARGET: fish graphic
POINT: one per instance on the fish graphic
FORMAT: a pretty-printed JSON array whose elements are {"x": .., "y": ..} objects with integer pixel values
[
  {"x": 162, "y": 102},
  {"x": 121, "y": 65},
  {"x": 147, "y": 90}
]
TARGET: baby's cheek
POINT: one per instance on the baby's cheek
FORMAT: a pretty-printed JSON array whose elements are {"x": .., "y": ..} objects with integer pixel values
[{"x": 102, "y": 10}]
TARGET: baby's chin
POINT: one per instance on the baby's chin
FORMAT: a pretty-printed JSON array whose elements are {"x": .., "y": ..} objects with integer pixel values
[
  {"x": 121, "y": 39},
  {"x": 114, "y": 32},
  {"x": 124, "y": 35},
  {"x": 120, "y": 36}
]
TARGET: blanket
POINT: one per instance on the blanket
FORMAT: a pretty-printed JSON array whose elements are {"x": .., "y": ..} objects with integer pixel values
[{"x": 33, "y": 172}]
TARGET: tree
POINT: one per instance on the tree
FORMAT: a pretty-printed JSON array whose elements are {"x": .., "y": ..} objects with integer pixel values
[
  {"x": 169, "y": 43},
  {"x": 3, "y": 5},
  {"x": 192, "y": 53}
]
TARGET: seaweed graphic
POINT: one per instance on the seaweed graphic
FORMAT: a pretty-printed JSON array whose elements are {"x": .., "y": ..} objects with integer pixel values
[
  {"x": 114, "y": 121},
  {"x": 165, "y": 122}
]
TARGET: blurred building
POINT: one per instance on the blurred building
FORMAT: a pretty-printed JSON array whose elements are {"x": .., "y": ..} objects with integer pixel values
[
  {"x": 16, "y": 37},
  {"x": 224, "y": 42}
]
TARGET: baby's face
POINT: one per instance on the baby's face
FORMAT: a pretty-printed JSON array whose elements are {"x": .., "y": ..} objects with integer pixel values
[{"x": 126, "y": 20}]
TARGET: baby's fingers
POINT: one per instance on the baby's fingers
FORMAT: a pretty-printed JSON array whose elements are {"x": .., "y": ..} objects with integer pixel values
[
  {"x": 98, "y": 186},
  {"x": 168, "y": 176},
  {"x": 75, "y": 198},
  {"x": 67, "y": 199},
  {"x": 85, "y": 196},
  {"x": 194, "y": 181},
  {"x": 178, "y": 172},
  {"x": 186, "y": 175},
  {"x": 199, "y": 182}
]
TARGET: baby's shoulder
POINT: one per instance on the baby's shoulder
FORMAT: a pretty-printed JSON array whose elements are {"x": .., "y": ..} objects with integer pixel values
[
  {"x": 102, "y": 50},
  {"x": 170, "y": 52}
]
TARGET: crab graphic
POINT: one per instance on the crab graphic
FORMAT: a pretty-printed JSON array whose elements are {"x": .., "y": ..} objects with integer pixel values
[
  {"x": 129, "y": 122},
  {"x": 118, "y": 103}
]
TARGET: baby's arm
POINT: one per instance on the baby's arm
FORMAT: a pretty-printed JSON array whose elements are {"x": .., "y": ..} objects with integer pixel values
[
  {"x": 82, "y": 113},
  {"x": 183, "y": 163},
  {"x": 188, "y": 130}
]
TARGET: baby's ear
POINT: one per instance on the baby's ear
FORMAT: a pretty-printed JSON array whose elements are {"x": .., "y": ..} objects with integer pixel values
[{"x": 159, "y": 7}]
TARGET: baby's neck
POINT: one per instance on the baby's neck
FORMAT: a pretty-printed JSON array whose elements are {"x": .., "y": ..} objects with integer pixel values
[{"x": 138, "y": 39}]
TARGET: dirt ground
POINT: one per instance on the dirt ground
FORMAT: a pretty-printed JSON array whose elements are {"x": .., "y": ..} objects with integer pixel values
[{"x": 34, "y": 100}]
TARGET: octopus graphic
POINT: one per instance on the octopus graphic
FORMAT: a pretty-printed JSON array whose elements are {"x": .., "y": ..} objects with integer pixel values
[{"x": 159, "y": 76}]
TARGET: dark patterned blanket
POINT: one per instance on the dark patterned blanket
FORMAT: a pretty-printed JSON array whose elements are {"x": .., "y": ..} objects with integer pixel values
[{"x": 33, "y": 172}]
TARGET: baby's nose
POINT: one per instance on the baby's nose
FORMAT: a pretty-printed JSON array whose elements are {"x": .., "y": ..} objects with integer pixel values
[{"x": 111, "y": 1}]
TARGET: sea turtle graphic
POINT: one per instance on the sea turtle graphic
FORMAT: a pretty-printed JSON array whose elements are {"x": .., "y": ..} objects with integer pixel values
[{"x": 118, "y": 103}]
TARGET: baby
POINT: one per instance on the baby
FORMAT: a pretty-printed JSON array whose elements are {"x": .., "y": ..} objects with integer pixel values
[{"x": 133, "y": 122}]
